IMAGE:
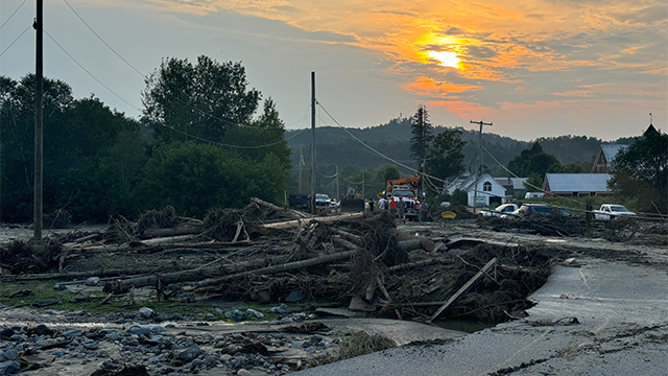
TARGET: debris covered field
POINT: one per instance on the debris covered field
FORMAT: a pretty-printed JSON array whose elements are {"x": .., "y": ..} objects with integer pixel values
[{"x": 249, "y": 290}]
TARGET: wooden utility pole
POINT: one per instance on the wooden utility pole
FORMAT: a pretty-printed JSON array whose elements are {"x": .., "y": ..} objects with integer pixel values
[
  {"x": 39, "y": 122},
  {"x": 478, "y": 164},
  {"x": 338, "y": 193},
  {"x": 301, "y": 163},
  {"x": 313, "y": 142}
]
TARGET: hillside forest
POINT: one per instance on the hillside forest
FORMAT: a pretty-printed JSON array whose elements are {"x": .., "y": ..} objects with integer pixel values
[{"x": 206, "y": 139}]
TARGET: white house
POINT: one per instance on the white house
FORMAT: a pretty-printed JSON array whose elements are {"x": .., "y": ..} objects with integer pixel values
[{"x": 490, "y": 191}]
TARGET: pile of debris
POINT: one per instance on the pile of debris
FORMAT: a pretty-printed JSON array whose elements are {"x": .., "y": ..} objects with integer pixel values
[{"x": 266, "y": 254}]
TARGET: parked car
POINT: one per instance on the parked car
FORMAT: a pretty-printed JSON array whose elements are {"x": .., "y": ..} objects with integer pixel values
[
  {"x": 529, "y": 195},
  {"x": 500, "y": 210},
  {"x": 322, "y": 201},
  {"x": 612, "y": 211},
  {"x": 530, "y": 210}
]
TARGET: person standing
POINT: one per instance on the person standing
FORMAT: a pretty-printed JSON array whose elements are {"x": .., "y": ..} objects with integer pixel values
[
  {"x": 401, "y": 209},
  {"x": 424, "y": 212},
  {"x": 371, "y": 205},
  {"x": 381, "y": 203}
]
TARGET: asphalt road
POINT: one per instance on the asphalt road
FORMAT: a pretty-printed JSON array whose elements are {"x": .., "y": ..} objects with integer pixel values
[{"x": 622, "y": 329}]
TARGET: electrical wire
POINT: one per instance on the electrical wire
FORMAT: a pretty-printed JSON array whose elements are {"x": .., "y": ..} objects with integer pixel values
[
  {"x": 12, "y": 15},
  {"x": 163, "y": 125},
  {"x": 15, "y": 40},
  {"x": 449, "y": 184}
]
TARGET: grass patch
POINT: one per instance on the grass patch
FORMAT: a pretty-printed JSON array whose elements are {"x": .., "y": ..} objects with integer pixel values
[{"x": 362, "y": 343}]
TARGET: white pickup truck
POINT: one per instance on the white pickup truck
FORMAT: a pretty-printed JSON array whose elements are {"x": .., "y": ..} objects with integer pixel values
[
  {"x": 500, "y": 210},
  {"x": 610, "y": 211}
]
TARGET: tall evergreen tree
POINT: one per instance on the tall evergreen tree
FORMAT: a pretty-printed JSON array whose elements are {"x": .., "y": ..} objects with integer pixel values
[{"x": 421, "y": 135}]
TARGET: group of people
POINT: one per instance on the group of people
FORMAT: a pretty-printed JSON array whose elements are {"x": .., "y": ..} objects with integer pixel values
[{"x": 384, "y": 204}]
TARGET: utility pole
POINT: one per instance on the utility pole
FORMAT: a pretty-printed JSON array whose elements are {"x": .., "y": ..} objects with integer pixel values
[
  {"x": 39, "y": 122},
  {"x": 478, "y": 164},
  {"x": 338, "y": 193},
  {"x": 301, "y": 163},
  {"x": 362, "y": 185},
  {"x": 313, "y": 142}
]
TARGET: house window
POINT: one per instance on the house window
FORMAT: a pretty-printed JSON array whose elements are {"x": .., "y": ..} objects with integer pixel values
[{"x": 487, "y": 187}]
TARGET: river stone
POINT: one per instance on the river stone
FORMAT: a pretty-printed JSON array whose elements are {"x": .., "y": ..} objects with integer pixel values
[
  {"x": 146, "y": 312},
  {"x": 9, "y": 367},
  {"x": 72, "y": 332},
  {"x": 6, "y": 333},
  {"x": 10, "y": 354},
  {"x": 189, "y": 354},
  {"x": 244, "y": 372}
]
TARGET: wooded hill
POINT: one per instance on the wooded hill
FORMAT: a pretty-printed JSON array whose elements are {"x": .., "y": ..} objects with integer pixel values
[{"x": 336, "y": 147}]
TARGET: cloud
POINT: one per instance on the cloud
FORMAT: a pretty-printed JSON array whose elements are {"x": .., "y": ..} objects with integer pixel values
[{"x": 428, "y": 87}]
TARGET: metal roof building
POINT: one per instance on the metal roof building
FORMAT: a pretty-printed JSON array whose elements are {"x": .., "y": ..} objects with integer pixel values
[
  {"x": 605, "y": 155},
  {"x": 593, "y": 184}
]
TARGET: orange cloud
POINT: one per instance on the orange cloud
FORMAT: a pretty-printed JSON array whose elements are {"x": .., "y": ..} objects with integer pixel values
[{"x": 428, "y": 87}]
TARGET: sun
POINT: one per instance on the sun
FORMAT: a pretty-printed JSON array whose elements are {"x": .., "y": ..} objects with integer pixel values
[{"x": 447, "y": 59}]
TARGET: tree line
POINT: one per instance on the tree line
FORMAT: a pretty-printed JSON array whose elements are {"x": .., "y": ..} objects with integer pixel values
[{"x": 99, "y": 162}]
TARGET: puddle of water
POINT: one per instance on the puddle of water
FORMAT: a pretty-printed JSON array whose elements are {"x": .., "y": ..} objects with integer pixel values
[{"x": 466, "y": 326}]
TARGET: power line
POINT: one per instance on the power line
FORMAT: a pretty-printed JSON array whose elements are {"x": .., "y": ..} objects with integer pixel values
[
  {"x": 102, "y": 40},
  {"x": 163, "y": 125},
  {"x": 87, "y": 71},
  {"x": 12, "y": 15},
  {"x": 15, "y": 40}
]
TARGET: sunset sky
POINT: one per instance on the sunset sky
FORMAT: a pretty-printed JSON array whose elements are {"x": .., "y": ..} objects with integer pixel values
[{"x": 533, "y": 67}]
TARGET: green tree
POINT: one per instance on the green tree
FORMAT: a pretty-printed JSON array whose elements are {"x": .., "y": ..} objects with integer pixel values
[
  {"x": 445, "y": 157},
  {"x": 572, "y": 168},
  {"x": 185, "y": 101},
  {"x": 534, "y": 183},
  {"x": 532, "y": 160},
  {"x": 421, "y": 135},
  {"x": 267, "y": 133},
  {"x": 640, "y": 172},
  {"x": 196, "y": 177},
  {"x": 387, "y": 172}
]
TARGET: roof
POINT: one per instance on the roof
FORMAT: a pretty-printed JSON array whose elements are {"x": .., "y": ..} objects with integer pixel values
[
  {"x": 578, "y": 182},
  {"x": 518, "y": 183},
  {"x": 610, "y": 151}
]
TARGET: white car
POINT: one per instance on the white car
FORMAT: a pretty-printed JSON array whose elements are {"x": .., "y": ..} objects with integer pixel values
[
  {"x": 500, "y": 210},
  {"x": 608, "y": 212}
]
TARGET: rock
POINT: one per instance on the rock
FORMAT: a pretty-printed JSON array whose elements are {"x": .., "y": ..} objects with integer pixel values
[
  {"x": 189, "y": 354},
  {"x": 72, "y": 332},
  {"x": 225, "y": 358},
  {"x": 210, "y": 360},
  {"x": 210, "y": 315},
  {"x": 9, "y": 367},
  {"x": 244, "y": 372},
  {"x": 251, "y": 312},
  {"x": 6, "y": 333},
  {"x": 235, "y": 315},
  {"x": 296, "y": 296},
  {"x": 220, "y": 311},
  {"x": 296, "y": 345},
  {"x": 58, "y": 353},
  {"x": 146, "y": 329},
  {"x": 281, "y": 310},
  {"x": 285, "y": 368},
  {"x": 90, "y": 345},
  {"x": 310, "y": 350},
  {"x": 92, "y": 281},
  {"x": 10, "y": 354},
  {"x": 146, "y": 312}
]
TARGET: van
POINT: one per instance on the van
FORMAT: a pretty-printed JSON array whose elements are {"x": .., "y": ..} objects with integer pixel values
[{"x": 534, "y": 195}]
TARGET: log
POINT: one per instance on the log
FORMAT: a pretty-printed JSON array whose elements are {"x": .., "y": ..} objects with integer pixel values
[
  {"x": 350, "y": 237},
  {"x": 290, "y": 266},
  {"x": 417, "y": 264},
  {"x": 344, "y": 243},
  {"x": 463, "y": 289},
  {"x": 269, "y": 205},
  {"x": 196, "y": 274},
  {"x": 167, "y": 240},
  {"x": 295, "y": 223},
  {"x": 416, "y": 243},
  {"x": 179, "y": 230}
]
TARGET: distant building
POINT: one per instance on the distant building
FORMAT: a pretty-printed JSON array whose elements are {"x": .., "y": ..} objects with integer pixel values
[
  {"x": 490, "y": 191},
  {"x": 605, "y": 155},
  {"x": 514, "y": 186},
  {"x": 576, "y": 185}
]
